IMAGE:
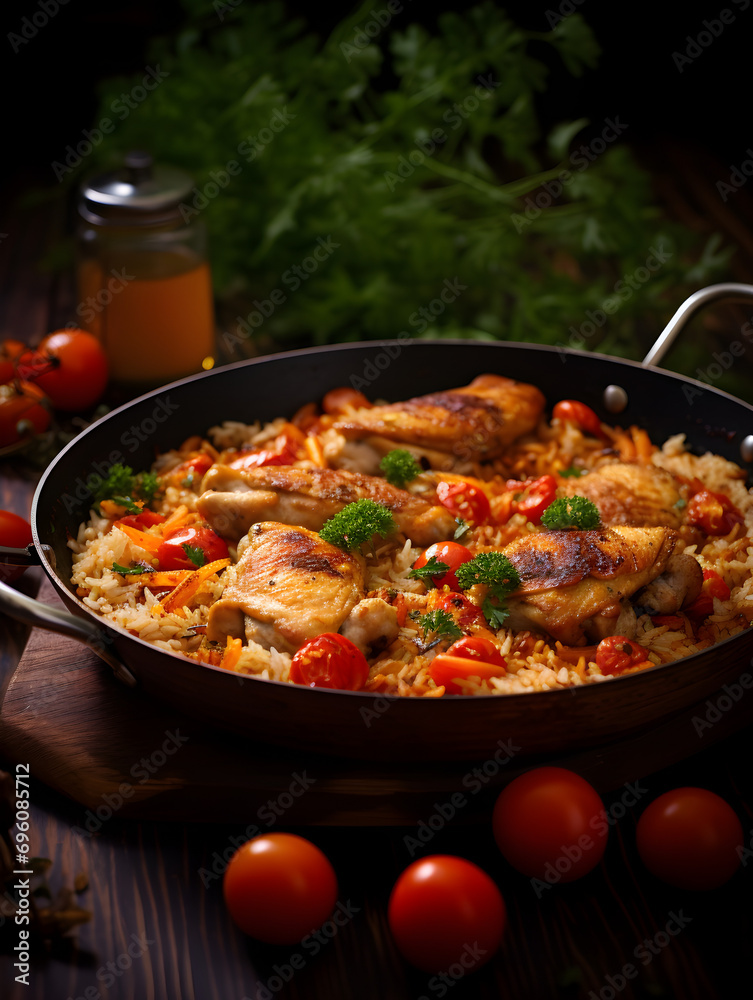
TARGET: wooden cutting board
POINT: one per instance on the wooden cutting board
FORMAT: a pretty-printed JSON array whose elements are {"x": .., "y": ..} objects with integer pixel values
[{"x": 114, "y": 751}]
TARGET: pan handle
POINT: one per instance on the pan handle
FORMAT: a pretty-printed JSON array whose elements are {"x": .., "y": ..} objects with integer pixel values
[
  {"x": 31, "y": 612},
  {"x": 731, "y": 291}
]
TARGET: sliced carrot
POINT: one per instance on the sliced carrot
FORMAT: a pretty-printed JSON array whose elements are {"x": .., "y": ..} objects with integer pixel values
[
  {"x": 187, "y": 590},
  {"x": 232, "y": 654},
  {"x": 179, "y": 518},
  {"x": 144, "y": 540},
  {"x": 643, "y": 447},
  {"x": 572, "y": 654},
  {"x": 165, "y": 578},
  {"x": 314, "y": 448},
  {"x": 111, "y": 509}
]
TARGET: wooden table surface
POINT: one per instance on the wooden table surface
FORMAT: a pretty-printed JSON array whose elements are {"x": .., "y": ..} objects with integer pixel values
[{"x": 159, "y": 928}]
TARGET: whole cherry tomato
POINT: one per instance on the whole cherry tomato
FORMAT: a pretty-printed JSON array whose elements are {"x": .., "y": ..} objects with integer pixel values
[
  {"x": 533, "y": 496},
  {"x": 464, "y": 500},
  {"x": 15, "y": 533},
  {"x": 330, "y": 660},
  {"x": 575, "y": 412},
  {"x": 452, "y": 554},
  {"x": 617, "y": 653},
  {"x": 279, "y": 887},
  {"x": 69, "y": 366},
  {"x": 190, "y": 548},
  {"x": 446, "y": 911},
  {"x": 23, "y": 412},
  {"x": 713, "y": 512},
  {"x": 471, "y": 656},
  {"x": 690, "y": 838},
  {"x": 551, "y": 824}
]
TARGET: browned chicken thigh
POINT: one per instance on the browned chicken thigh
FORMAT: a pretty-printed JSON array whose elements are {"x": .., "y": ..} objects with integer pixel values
[
  {"x": 234, "y": 499},
  {"x": 631, "y": 494},
  {"x": 474, "y": 422}
]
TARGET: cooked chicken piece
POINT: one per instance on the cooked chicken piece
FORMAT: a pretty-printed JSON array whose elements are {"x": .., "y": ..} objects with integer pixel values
[
  {"x": 679, "y": 584},
  {"x": 474, "y": 422},
  {"x": 573, "y": 583},
  {"x": 287, "y": 587},
  {"x": 631, "y": 494},
  {"x": 234, "y": 499},
  {"x": 366, "y": 456},
  {"x": 371, "y": 625}
]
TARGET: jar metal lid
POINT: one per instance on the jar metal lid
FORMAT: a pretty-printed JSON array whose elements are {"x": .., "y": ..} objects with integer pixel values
[{"x": 136, "y": 194}]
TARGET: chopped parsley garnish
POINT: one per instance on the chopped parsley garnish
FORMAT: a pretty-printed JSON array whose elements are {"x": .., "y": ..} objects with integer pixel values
[
  {"x": 433, "y": 567},
  {"x": 124, "y": 488},
  {"x": 357, "y": 523},
  {"x": 439, "y": 624},
  {"x": 195, "y": 554},
  {"x": 132, "y": 570},
  {"x": 571, "y": 512},
  {"x": 573, "y": 471},
  {"x": 399, "y": 467},
  {"x": 462, "y": 527},
  {"x": 130, "y": 506},
  {"x": 495, "y": 571}
]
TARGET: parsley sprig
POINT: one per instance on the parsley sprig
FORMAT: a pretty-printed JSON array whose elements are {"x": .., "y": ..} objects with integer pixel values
[
  {"x": 495, "y": 571},
  {"x": 357, "y": 524},
  {"x": 571, "y": 512},
  {"x": 399, "y": 467},
  {"x": 432, "y": 568},
  {"x": 439, "y": 624}
]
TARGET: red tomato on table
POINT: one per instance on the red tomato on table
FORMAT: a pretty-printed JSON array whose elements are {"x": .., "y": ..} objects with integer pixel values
[
  {"x": 15, "y": 533},
  {"x": 446, "y": 911},
  {"x": 279, "y": 887},
  {"x": 551, "y": 824},
  {"x": 69, "y": 366},
  {"x": 690, "y": 838},
  {"x": 330, "y": 660}
]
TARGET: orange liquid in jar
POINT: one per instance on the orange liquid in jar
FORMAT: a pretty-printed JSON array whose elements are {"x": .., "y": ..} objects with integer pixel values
[{"x": 154, "y": 326}]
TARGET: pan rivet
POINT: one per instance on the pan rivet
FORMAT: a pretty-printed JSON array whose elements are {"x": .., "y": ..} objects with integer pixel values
[
  {"x": 615, "y": 398},
  {"x": 746, "y": 448}
]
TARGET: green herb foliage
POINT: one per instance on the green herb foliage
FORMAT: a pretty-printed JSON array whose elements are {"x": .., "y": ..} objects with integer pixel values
[
  {"x": 495, "y": 571},
  {"x": 124, "y": 488},
  {"x": 131, "y": 570},
  {"x": 572, "y": 512},
  {"x": 439, "y": 624},
  {"x": 462, "y": 528},
  {"x": 195, "y": 554},
  {"x": 573, "y": 471},
  {"x": 408, "y": 165},
  {"x": 399, "y": 467},
  {"x": 357, "y": 523},
  {"x": 433, "y": 567}
]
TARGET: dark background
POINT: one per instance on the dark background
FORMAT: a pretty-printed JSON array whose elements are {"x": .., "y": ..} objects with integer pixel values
[{"x": 49, "y": 85}]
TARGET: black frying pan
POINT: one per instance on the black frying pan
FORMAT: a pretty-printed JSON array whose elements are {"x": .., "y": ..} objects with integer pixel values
[{"x": 356, "y": 723}]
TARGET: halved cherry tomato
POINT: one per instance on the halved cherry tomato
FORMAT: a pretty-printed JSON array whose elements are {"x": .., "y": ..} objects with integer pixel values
[
  {"x": 287, "y": 448},
  {"x": 444, "y": 910},
  {"x": 141, "y": 521},
  {"x": 69, "y": 366},
  {"x": 339, "y": 401},
  {"x": 464, "y": 500},
  {"x": 713, "y": 512},
  {"x": 465, "y": 612},
  {"x": 691, "y": 838},
  {"x": 15, "y": 533},
  {"x": 279, "y": 887},
  {"x": 471, "y": 656},
  {"x": 575, "y": 412},
  {"x": 172, "y": 553},
  {"x": 190, "y": 472},
  {"x": 452, "y": 554},
  {"x": 23, "y": 412},
  {"x": 330, "y": 661},
  {"x": 617, "y": 653},
  {"x": 533, "y": 496},
  {"x": 713, "y": 586}
]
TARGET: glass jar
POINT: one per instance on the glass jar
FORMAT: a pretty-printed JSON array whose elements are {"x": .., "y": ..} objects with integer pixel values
[{"x": 143, "y": 278}]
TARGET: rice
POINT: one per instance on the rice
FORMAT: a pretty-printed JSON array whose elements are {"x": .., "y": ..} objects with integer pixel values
[{"x": 403, "y": 667}]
